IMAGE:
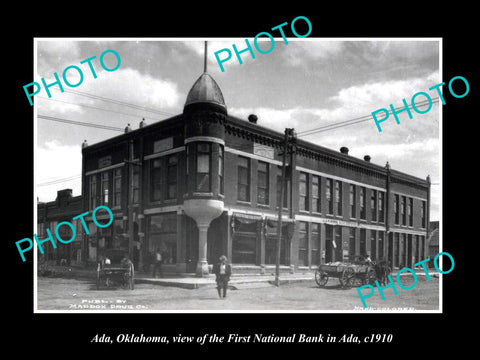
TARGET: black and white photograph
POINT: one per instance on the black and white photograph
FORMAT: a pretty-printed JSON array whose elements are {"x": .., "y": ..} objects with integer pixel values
[
  {"x": 218, "y": 181},
  {"x": 158, "y": 159}
]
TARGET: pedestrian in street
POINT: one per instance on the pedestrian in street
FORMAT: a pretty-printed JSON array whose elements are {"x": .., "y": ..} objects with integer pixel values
[
  {"x": 222, "y": 271},
  {"x": 158, "y": 262}
]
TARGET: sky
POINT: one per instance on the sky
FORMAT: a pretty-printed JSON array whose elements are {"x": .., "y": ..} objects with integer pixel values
[{"x": 306, "y": 84}]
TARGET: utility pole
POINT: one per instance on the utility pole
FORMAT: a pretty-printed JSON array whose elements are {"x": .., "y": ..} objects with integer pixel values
[
  {"x": 289, "y": 135},
  {"x": 131, "y": 197}
]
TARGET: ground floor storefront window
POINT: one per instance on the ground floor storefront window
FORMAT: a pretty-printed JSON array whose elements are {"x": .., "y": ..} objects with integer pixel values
[
  {"x": 162, "y": 236},
  {"x": 246, "y": 232}
]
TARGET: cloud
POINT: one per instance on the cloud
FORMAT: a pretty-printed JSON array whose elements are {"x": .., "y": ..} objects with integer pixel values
[
  {"x": 132, "y": 86},
  {"x": 125, "y": 85},
  {"x": 301, "y": 51},
  {"x": 368, "y": 97},
  {"x": 55, "y": 162}
]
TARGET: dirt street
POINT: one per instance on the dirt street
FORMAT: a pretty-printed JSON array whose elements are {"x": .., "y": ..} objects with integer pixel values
[{"x": 80, "y": 295}]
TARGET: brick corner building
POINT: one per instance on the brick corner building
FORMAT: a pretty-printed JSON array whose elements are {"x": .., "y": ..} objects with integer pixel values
[{"x": 204, "y": 183}]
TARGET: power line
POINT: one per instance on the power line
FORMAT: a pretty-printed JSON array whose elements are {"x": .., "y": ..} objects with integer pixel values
[
  {"x": 98, "y": 108},
  {"x": 58, "y": 181},
  {"x": 356, "y": 120},
  {"x": 118, "y": 102},
  {"x": 105, "y": 127}
]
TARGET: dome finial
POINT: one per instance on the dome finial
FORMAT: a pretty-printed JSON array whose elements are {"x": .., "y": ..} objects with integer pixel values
[{"x": 205, "y": 58}]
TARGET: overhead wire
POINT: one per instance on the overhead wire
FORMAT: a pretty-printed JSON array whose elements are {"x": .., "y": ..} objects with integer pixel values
[{"x": 358, "y": 120}]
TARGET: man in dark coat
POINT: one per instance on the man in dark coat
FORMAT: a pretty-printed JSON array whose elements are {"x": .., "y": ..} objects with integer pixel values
[{"x": 222, "y": 271}]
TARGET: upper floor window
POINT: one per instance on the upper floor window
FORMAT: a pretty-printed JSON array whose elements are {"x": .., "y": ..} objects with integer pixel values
[
  {"x": 303, "y": 191},
  {"x": 353, "y": 203},
  {"x": 156, "y": 179},
  {"x": 381, "y": 206},
  {"x": 363, "y": 203},
  {"x": 329, "y": 195},
  {"x": 410, "y": 211},
  {"x": 396, "y": 208},
  {"x": 243, "y": 185},
  {"x": 338, "y": 197},
  {"x": 105, "y": 183},
  {"x": 204, "y": 151},
  {"x": 373, "y": 205},
  {"x": 92, "y": 192},
  {"x": 316, "y": 205},
  {"x": 220, "y": 169},
  {"x": 171, "y": 191},
  {"x": 262, "y": 183},
  {"x": 117, "y": 187},
  {"x": 423, "y": 214}
]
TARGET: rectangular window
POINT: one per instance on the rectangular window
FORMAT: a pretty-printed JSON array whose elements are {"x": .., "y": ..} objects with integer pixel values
[
  {"x": 172, "y": 180},
  {"x": 396, "y": 209},
  {"x": 303, "y": 191},
  {"x": 105, "y": 183},
  {"x": 316, "y": 194},
  {"x": 203, "y": 167},
  {"x": 338, "y": 198},
  {"x": 156, "y": 179},
  {"x": 410, "y": 212},
  {"x": 262, "y": 183},
  {"x": 381, "y": 206},
  {"x": 329, "y": 197},
  {"x": 315, "y": 244},
  {"x": 363, "y": 203},
  {"x": 403, "y": 210},
  {"x": 424, "y": 214},
  {"x": 163, "y": 236},
  {"x": 243, "y": 186},
  {"x": 117, "y": 187},
  {"x": 303, "y": 243},
  {"x": 373, "y": 205},
  {"x": 92, "y": 201},
  {"x": 220, "y": 169},
  {"x": 353, "y": 203}
]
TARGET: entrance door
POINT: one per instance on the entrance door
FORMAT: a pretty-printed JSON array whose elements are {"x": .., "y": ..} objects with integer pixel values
[{"x": 271, "y": 250}]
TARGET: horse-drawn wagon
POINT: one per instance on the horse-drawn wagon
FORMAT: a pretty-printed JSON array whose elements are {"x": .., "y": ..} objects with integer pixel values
[
  {"x": 351, "y": 274},
  {"x": 111, "y": 273}
]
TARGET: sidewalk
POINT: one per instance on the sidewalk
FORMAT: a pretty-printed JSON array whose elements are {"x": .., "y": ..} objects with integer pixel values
[
  {"x": 240, "y": 281},
  {"x": 187, "y": 281},
  {"x": 190, "y": 281}
]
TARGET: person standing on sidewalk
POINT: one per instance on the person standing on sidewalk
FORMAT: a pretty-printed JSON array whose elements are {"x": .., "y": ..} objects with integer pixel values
[
  {"x": 222, "y": 271},
  {"x": 158, "y": 261}
]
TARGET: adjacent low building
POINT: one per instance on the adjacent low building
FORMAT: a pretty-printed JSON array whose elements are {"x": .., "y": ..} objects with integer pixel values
[
  {"x": 204, "y": 183},
  {"x": 49, "y": 214}
]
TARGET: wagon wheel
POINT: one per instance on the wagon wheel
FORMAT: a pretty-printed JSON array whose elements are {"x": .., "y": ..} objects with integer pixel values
[
  {"x": 348, "y": 277},
  {"x": 321, "y": 277}
]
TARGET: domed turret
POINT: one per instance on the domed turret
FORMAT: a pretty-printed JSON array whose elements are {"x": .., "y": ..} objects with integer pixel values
[{"x": 205, "y": 90}]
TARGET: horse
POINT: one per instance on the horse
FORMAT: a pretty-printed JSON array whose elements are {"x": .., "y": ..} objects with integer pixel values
[{"x": 382, "y": 270}]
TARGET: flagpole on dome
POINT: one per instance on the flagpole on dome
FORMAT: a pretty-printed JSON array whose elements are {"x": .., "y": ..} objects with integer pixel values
[{"x": 205, "y": 58}]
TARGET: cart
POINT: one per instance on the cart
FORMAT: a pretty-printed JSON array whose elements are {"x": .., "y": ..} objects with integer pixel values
[
  {"x": 111, "y": 275},
  {"x": 347, "y": 273}
]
